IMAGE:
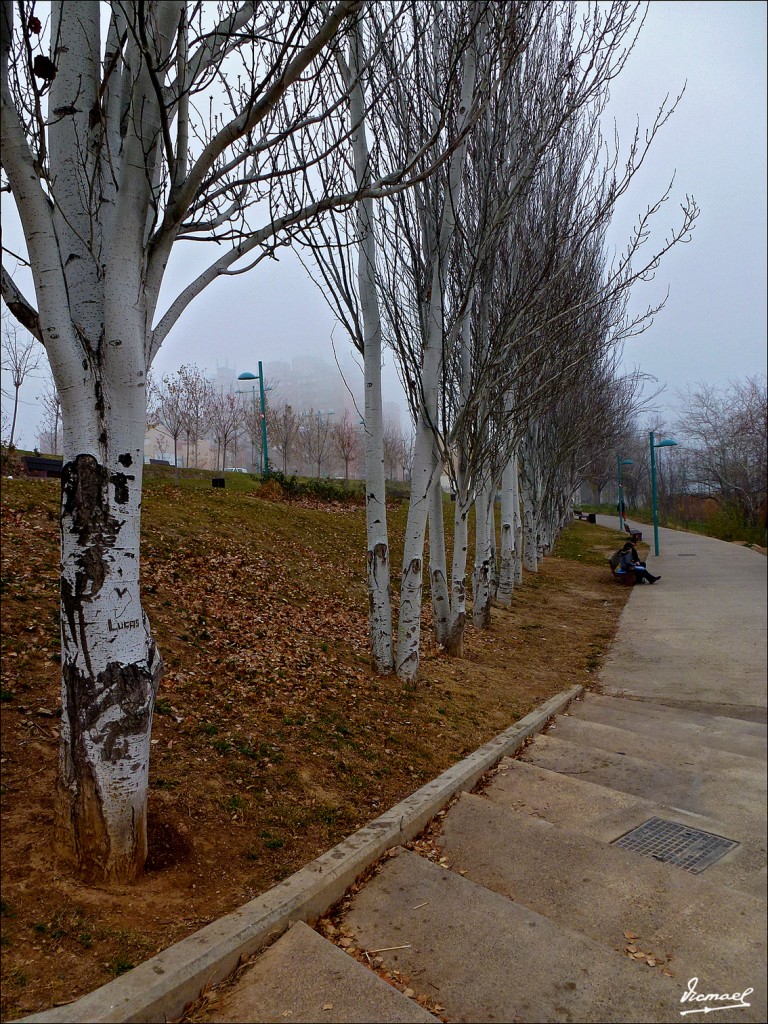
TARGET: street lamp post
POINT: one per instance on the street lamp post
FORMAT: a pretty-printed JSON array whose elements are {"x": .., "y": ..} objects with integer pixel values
[
  {"x": 260, "y": 378},
  {"x": 619, "y": 463},
  {"x": 669, "y": 443}
]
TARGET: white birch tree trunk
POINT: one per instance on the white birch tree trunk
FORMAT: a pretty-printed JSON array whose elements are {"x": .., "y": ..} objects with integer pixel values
[
  {"x": 438, "y": 577},
  {"x": 530, "y": 485},
  {"x": 493, "y": 555},
  {"x": 409, "y": 624},
  {"x": 508, "y": 537},
  {"x": 546, "y": 534},
  {"x": 88, "y": 256},
  {"x": 424, "y": 463},
  {"x": 455, "y": 638},
  {"x": 481, "y": 576},
  {"x": 377, "y": 557},
  {"x": 110, "y": 664},
  {"x": 530, "y": 538},
  {"x": 454, "y": 643},
  {"x": 517, "y": 521}
]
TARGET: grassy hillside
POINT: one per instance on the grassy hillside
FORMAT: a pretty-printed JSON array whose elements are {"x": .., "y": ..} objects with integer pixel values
[{"x": 272, "y": 739}]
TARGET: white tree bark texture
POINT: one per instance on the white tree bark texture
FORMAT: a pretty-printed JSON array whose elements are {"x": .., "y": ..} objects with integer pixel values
[
  {"x": 377, "y": 557},
  {"x": 508, "y": 537},
  {"x": 481, "y": 576}
]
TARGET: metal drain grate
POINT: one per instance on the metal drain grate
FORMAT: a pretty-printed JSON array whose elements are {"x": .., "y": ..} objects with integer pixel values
[
  {"x": 686, "y": 554},
  {"x": 672, "y": 843}
]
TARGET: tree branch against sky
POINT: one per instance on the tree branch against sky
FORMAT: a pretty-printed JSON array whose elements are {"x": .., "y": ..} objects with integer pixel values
[
  {"x": 282, "y": 431},
  {"x": 719, "y": 60},
  {"x": 48, "y": 438},
  {"x": 315, "y": 434},
  {"x": 21, "y": 357},
  {"x": 725, "y": 430},
  {"x": 345, "y": 440}
]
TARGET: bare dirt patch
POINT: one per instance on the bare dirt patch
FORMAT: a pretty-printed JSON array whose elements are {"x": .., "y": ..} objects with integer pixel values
[{"x": 272, "y": 739}]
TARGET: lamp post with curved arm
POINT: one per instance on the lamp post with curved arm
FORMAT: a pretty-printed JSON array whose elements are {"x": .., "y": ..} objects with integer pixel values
[
  {"x": 669, "y": 443},
  {"x": 260, "y": 378}
]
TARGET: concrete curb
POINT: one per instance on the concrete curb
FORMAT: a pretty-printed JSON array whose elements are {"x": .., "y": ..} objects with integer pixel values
[{"x": 162, "y": 987}]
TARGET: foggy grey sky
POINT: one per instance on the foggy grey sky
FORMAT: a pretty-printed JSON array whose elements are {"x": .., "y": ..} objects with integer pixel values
[{"x": 713, "y": 328}]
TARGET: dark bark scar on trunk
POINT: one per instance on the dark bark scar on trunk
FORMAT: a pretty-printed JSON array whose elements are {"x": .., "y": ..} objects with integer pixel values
[
  {"x": 121, "y": 482},
  {"x": 85, "y": 507}
]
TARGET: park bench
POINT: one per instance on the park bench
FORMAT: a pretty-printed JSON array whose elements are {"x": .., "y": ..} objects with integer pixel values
[
  {"x": 634, "y": 535},
  {"x": 41, "y": 465}
]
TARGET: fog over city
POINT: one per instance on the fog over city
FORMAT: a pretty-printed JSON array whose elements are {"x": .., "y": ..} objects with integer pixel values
[{"x": 713, "y": 327}]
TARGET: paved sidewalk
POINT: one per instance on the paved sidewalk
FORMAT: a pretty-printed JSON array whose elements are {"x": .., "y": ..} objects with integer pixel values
[{"x": 698, "y": 638}]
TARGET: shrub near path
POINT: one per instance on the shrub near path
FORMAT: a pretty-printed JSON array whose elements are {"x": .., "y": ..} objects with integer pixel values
[{"x": 272, "y": 740}]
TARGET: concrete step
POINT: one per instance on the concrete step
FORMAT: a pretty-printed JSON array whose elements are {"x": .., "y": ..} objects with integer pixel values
[
  {"x": 696, "y": 728},
  {"x": 681, "y": 712},
  {"x": 678, "y": 712},
  {"x": 305, "y": 978},
  {"x": 694, "y": 927},
  {"x": 488, "y": 959},
  {"x": 663, "y": 746},
  {"x": 731, "y": 796},
  {"x": 605, "y": 814}
]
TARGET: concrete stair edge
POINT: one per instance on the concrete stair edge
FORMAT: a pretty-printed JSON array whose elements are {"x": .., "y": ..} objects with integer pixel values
[
  {"x": 658, "y": 747},
  {"x": 678, "y": 712},
  {"x": 304, "y": 977},
  {"x": 677, "y": 786}
]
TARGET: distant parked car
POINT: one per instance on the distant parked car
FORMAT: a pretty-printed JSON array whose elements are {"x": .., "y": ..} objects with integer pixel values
[{"x": 231, "y": 469}]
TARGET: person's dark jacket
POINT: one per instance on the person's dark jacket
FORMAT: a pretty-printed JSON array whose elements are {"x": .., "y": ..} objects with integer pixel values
[{"x": 628, "y": 560}]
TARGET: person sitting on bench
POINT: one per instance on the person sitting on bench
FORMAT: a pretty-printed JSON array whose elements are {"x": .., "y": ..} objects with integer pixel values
[{"x": 630, "y": 560}]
